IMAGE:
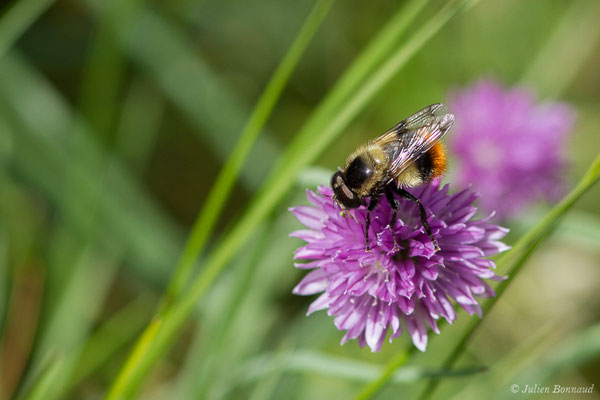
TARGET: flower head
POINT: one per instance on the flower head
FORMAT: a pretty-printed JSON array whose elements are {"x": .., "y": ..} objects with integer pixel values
[
  {"x": 371, "y": 292},
  {"x": 508, "y": 146}
]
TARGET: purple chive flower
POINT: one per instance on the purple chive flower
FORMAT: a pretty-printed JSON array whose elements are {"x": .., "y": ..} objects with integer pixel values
[
  {"x": 509, "y": 147},
  {"x": 370, "y": 293}
]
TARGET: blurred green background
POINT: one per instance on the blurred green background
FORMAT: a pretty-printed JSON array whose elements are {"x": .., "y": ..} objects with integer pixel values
[{"x": 115, "y": 118}]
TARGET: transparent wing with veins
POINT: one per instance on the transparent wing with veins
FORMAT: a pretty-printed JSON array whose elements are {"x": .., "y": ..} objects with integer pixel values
[{"x": 414, "y": 136}]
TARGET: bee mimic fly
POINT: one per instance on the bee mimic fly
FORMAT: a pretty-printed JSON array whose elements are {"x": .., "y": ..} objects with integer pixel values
[{"x": 410, "y": 154}]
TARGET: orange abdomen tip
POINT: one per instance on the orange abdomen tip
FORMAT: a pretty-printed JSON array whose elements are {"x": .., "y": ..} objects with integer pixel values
[{"x": 438, "y": 159}]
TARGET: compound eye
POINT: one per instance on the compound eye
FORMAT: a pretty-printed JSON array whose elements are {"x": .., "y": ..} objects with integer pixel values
[
  {"x": 357, "y": 173},
  {"x": 344, "y": 195}
]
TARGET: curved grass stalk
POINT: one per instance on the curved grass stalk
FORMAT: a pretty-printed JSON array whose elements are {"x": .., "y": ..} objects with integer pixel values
[
  {"x": 374, "y": 387},
  {"x": 520, "y": 253},
  {"x": 556, "y": 42},
  {"x": 215, "y": 202},
  {"x": 204, "y": 359},
  {"x": 523, "y": 249},
  {"x": 326, "y": 123},
  {"x": 329, "y": 366}
]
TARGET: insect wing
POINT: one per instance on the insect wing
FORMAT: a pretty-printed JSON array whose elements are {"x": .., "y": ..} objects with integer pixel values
[
  {"x": 422, "y": 117},
  {"x": 414, "y": 136}
]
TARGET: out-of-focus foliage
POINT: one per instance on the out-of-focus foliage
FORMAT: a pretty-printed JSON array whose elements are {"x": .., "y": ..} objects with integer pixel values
[{"x": 115, "y": 119}]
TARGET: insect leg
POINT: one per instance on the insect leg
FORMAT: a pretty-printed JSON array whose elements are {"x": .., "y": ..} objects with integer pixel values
[
  {"x": 372, "y": 204},
  {"x": 422, "y": 212},
  {"x": 394, "y": 204}
]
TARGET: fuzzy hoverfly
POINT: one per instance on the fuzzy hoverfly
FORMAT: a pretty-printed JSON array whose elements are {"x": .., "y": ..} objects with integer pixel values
[{"x": 408, "y": 155}]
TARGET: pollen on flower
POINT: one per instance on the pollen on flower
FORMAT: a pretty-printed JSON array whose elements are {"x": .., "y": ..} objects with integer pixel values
[{"x": 389, "y": 290}]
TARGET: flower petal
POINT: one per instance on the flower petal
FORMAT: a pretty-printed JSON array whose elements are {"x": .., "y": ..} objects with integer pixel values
[
  {"x": 316, "y": 281},
  {"x": 417, "y": 331},
  {"x": 320, "y": 303},
  {"x": 311, "y": 217}
]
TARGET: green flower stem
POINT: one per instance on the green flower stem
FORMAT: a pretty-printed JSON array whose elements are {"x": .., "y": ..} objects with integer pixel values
[
  {"x": 328, "y": 366},
  {"x": 557, "y": 42},
  {"x": 216, "y": 200},
  {"x": 551, "y": 82},
  {"x": 524, "y": 247},
  {"x": 522, "y": 250},
  {"x": 322, "y": 128},
  {"x": 374, "y": 387}
]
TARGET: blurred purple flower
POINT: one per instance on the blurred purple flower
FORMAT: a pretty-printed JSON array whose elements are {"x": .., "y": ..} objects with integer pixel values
[
  {"x": 509, "y": 147},
  {"x": 369, "y": 292}
]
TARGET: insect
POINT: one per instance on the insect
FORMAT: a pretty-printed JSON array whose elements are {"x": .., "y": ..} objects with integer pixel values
[{"x": 410, "y": 154}]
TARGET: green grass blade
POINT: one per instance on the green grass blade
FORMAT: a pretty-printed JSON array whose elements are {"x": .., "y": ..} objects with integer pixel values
[
  {"x": 379, "y": 48},
  {"x": 138, "y": 125},
  {"x": 67, "y": 328},
  {"x": 566, "y": 50},
  {"x": 513, "y": 261},
  {"x": 580, "y": 227},
  {"x": 244, "y": 300},
  {"x": 312, "y": 140},
  {"x": 84, "y": 275},
  {"x": 16, "y": 18},
  {"x": 374, "y": 387},
  {"x": 321, "y": 364},
  {"x": 39, "y": 153},
  {"x": 223, "y": 185},
  {"x": 265, "y": 386},
  {"x": 45, "y": 381},
  {"x": 554, "y": 85},
  {"x": 109, "y": 337},
  {"x": 86, "y": 279},
  {"x": 576, "y": 350},
  {"x": 104, "y": 68},
  {"x": 77, "y": 265},
  {"x": 542, "y": 355},
  {"x": 181, "y": 72},
  {"x": 211, "y": 345}
]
